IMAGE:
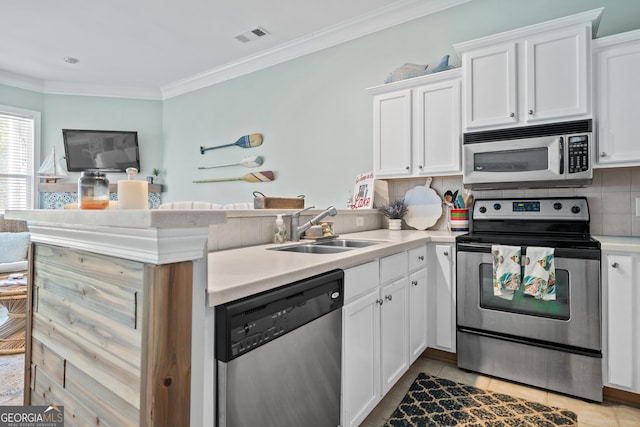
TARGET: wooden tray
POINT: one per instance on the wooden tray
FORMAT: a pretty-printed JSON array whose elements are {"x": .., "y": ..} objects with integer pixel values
[{"x": 264, "y": 202}]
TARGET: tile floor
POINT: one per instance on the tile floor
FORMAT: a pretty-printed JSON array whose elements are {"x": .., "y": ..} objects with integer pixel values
[{"x": 589, "y": 414}]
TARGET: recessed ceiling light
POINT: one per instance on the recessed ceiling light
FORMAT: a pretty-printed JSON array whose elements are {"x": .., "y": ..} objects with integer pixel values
[{"x": 71, "y": 60}]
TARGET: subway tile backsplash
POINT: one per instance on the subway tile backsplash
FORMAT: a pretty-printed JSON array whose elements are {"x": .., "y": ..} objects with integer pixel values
[{"x": 611, "y": 195}]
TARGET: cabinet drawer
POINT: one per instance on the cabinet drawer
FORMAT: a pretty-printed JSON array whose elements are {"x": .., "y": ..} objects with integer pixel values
[
  {"x": 417, "y": 258},
  {"x": 393, "y": 267},
  {"x": 361, "y": 279}
]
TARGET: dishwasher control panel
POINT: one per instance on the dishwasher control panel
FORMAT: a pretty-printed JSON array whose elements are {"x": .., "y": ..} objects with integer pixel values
[
  {"x": 253, "y": 334},
  {"x": 244, "y": 325}
]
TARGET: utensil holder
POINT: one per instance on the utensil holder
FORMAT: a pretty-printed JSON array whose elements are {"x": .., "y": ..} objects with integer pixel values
[{"x": 459, "y": 219}]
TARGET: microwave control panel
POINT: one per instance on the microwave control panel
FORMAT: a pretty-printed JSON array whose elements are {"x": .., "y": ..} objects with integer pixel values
[{"x": 578, "y": 147}]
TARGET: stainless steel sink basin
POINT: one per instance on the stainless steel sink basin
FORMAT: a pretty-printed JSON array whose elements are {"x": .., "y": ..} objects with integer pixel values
[
  {"x": 313, "y": 248},
  {"x": 332, "y": 246},
  {"x": 348, "y": 243}
]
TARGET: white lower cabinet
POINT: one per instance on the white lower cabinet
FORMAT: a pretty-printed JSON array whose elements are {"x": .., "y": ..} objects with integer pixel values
[
  {"x": 621, "y": 320},
  {"x": 384, "y": 328},
  {"x": 442, "y": 308},
  {"x": 395, "y": 332},
  {"x": 418, "y": 302},
  {"x": 361, "y": 358}
]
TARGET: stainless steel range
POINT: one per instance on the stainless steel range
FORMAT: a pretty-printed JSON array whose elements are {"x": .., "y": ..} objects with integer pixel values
[{"x": 528, "y": 295}]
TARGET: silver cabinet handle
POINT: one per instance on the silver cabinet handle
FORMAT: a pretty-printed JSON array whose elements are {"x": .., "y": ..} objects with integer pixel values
[
  {"x": 414, "y": 283},
  {"x": 380, "y": 301},
  {"x": 512, "y": 115},
  {"x": 419, "y": 166},
  {"x": 614, "y": 265},
  {"x": 530, "y": 112},
  {"x": 421, "y": 258},
  {"x": 603, "y": 154},
  {"x": 389, "y": 297},
  {"x": 407, "y": 168},
  {"x": 445, "y": 253}
]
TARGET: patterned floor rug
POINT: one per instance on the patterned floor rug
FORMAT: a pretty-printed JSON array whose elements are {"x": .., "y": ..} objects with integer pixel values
[{"x": 433, "y": 401}]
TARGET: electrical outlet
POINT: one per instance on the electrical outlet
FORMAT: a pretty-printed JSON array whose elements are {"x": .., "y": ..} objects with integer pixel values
[
  {"x": 637, "y": 206},
  {"x": 360, "y": 220}
]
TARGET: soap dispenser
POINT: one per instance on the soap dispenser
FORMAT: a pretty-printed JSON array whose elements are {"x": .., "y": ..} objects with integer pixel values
[{"x": 280, "y": 231}]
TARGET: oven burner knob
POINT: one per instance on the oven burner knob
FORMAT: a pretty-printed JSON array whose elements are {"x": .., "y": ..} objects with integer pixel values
[
  {"x": 557, "y": 206},
  {"x": 497, "y": 206},
  {"x": 575, "y": 209},
  {"x": 482, "y": 209}
]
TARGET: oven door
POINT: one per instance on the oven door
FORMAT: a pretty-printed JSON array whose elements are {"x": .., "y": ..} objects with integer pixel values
[
  {"x": 573, "y": 319},
  {"x": 530, "y": 159}
]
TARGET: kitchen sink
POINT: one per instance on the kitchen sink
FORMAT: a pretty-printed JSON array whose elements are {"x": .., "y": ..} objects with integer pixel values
[
  {"x": 348, "y": 243},
  {"x": 313, "y": 248},
  {"x": 332, "y": 246}
]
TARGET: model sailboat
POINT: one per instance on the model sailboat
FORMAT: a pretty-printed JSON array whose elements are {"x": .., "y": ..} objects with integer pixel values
[{"x": 51, "y": 169}]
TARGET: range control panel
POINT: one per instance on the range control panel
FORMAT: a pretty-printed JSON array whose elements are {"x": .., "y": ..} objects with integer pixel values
[{"x": 569, "y": 208}]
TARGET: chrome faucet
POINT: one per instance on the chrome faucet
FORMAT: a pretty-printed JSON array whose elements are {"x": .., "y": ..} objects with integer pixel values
[{"x": 297, "y": 229}]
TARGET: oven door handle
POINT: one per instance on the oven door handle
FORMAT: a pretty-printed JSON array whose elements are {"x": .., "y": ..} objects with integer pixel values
[{"x": 473, "y": 247}]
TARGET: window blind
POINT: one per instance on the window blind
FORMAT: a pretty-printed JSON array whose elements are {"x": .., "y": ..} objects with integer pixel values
[{"x": 17, "y": 135}]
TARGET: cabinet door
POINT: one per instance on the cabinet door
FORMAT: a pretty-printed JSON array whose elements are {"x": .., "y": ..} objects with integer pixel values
[
  {"x": 445, "y": 331},
  {"x": 622, "y": 322},
  {"x": 395, "y": 334},
  {"x": 417, "y": 314},
  {"x": 618, "y": 91},
  {"x": 361, "y": 358},
  {"x": 556, "y": 74},
  {"x": 437, "y": 135},
  {"x": 392, "y": 134},
  {"x": 490, "y": 91}
]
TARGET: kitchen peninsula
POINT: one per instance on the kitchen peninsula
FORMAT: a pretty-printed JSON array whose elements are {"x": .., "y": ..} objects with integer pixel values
[
  {"x": 121, "y": 326},
  {"x": 112, "y": 297}
]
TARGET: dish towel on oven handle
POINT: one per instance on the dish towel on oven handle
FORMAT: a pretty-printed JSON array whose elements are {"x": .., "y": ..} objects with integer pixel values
[
  {"x": 507, "y": 271},
  {"x": 540, "y": 273}
]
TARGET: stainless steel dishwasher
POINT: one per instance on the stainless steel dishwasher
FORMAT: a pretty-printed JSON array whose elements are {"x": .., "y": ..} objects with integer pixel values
[{"x": 278, "y": 356}]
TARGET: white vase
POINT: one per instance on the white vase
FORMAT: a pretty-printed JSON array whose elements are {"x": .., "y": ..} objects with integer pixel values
[{"x": 395, "y": 224}]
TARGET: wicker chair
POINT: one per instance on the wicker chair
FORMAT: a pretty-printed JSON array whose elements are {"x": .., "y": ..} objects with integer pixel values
[{"x": 13, "y": 297}]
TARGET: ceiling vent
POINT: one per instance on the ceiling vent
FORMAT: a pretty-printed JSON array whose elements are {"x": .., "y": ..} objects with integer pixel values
[{"x": 252, "y": 35}]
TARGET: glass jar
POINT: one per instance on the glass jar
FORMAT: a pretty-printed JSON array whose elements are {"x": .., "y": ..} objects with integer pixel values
[{"x": 93, "y": 190}]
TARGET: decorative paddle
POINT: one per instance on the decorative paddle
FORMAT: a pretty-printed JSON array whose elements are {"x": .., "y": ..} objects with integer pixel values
[
  {"x": 248, "y": 162},
  {"x": 263, "y": 176},
  {"x": 247, "y": 141}
]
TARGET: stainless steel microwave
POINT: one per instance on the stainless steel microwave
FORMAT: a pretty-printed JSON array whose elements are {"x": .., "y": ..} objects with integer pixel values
[{"x": 558, "y": 154}]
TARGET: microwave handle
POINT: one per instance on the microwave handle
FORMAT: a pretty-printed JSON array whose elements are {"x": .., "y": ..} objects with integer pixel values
[{"x": 561, "y": 148}]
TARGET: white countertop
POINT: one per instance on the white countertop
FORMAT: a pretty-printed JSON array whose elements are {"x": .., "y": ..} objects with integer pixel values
[
  {"x": 129, "y": 218},
  {"x": 241, "y": 272},
  {"x": 619, "y": 243}
]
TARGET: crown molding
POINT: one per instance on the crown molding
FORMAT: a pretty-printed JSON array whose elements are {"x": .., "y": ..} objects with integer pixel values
[
  {"x": 395, "y": 14},
  {"x": 83, "y": 89},
  {"x": 21, "y": 82},
  {"x": 77, "y": 89}
]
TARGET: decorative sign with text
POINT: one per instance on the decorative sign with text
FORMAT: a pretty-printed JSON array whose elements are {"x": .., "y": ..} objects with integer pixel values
[{"x": 363, "y": 191}]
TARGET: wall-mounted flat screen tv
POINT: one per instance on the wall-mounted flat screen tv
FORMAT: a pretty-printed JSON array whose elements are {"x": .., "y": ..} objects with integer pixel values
[{"x": 108, "y": 150}]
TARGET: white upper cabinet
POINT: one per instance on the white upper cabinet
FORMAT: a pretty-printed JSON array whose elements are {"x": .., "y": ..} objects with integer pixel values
[
  {"x": 540, "y": 73},
  {"x": 437, "y": 135},
  {"x": 417, "y": 126},
  {"x": 392, "y": 134},
  {"x": 489, "y": 97},
  {"x": 617, "y": 60}
]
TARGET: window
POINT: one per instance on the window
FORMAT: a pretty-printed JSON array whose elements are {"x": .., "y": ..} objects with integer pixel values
[{"x": 19, "y": 142}]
